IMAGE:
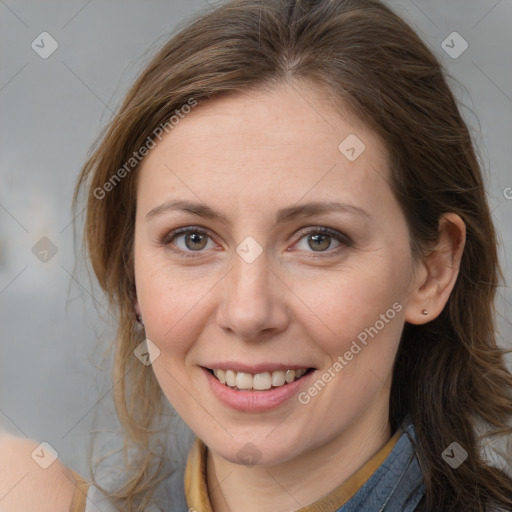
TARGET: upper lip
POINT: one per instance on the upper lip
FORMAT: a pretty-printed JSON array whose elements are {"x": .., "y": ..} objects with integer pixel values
[{"x": 255, "y": 368}]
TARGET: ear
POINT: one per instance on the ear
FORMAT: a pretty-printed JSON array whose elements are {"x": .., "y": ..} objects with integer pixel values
[{"x": 437, "y": 274}]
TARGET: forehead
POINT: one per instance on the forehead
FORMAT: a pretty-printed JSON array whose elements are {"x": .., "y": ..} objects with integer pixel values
[{"x": 287, "y": 142}]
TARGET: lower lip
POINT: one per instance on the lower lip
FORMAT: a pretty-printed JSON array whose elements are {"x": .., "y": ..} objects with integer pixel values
[{"x": 255, "y": 401}]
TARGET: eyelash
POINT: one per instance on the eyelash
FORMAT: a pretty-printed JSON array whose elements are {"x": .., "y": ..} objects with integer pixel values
[{"x": 340, "y": 237}]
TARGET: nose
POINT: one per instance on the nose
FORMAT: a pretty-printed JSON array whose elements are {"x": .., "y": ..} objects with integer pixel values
[{"x": 252, "y": 304}]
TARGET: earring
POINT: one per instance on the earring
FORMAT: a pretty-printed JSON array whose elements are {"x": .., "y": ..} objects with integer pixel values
[
  {"x": 139, "y": 320},
  {"x": 424, "y": 312}
]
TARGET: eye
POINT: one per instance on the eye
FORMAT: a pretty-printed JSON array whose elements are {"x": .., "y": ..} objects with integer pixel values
[
  {"x": 188, "y": 240},
  {"x": 320, "y": 239}
]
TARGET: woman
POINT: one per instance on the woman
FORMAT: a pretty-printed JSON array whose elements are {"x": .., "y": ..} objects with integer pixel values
[{"x": 289, "y": 210}]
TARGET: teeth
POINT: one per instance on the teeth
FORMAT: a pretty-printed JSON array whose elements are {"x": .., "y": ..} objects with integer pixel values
[
  {"x": 259, "y": 381},
  {"x": 221, "y": 375},
  {"x": 278, "y": 379},
  {"x": 262, "y": 381},
  {"x": 243, "y": 380},
  {"x": 289, "y": 376},
  {"x": 230, "y": 378}
]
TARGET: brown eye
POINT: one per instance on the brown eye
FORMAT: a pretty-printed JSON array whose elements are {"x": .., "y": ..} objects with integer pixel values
[
  {"x": 195, "y": 241},
  {"x": 319, "y": 242},
  {"x": 186, "y": 241},
  {"x": 321, "y": 239}
]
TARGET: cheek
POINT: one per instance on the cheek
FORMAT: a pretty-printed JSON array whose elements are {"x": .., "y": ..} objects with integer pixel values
[
  {"x": 355, "y": 303},
  {"x": 174, "y": 303},
  {"x": 358, "y": 326},
  {"x": 167, "y": 300},
  {"x": 173, "y": 308}
]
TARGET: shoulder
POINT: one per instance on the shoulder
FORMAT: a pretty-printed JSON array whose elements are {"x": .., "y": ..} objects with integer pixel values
[{"x": 26, "y": 485}]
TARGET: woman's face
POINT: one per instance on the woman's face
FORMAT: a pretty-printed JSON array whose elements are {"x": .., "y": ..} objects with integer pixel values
[{"x": 296, "y": 257}]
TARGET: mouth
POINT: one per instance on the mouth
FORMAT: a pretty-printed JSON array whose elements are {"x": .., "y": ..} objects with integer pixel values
[{"x": 263, "y": 381}]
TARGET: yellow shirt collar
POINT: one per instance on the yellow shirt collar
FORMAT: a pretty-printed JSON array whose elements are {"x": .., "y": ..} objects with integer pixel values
[{"x": 196, "y": 490}]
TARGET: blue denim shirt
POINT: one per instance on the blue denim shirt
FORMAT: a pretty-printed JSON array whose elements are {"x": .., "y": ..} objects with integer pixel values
[{"x": 396, "y": 486}]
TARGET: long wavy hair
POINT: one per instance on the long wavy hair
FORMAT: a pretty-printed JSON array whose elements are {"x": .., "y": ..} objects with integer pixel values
[{"x": 449, "y": 374}]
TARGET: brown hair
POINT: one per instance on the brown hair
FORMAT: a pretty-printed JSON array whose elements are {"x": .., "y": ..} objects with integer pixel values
[{"x": 449, "y": 374}]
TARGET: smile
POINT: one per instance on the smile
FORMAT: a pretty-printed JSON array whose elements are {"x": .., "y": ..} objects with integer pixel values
[
  {"x": 244, "y": 381},
  {"x": 256, "y": 388}
]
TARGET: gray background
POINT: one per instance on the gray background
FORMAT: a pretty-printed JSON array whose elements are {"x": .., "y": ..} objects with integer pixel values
[{"x": 54, "y": 379}]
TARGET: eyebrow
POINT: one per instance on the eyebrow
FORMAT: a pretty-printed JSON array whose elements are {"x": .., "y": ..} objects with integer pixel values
[{"x": 283, "y": 215}]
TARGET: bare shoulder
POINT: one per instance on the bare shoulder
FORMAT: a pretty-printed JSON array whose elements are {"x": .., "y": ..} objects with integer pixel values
[{"x": 25, "y": 482}]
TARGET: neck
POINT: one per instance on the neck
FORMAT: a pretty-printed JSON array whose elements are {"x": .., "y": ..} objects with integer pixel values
[{"x": 280, "y": 488}]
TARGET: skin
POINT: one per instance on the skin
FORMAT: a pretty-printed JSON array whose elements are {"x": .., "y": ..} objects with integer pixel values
[
  {"x": 247, "y": 156},
  {"x": 26, "y": 486}
]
